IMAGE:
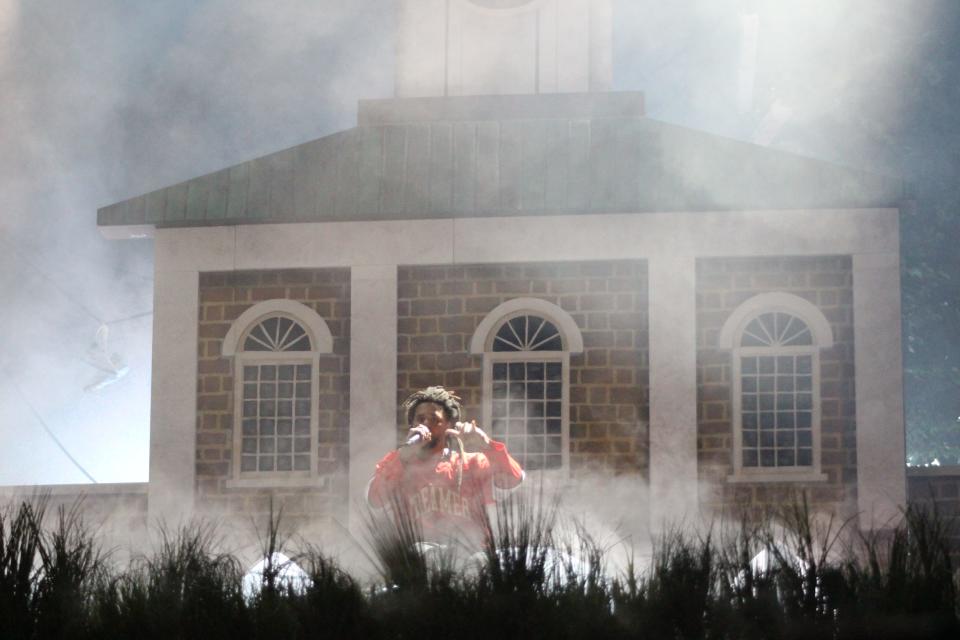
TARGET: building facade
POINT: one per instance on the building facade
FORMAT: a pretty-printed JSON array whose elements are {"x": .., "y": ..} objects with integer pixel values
[{"x": 615, "y": 297}]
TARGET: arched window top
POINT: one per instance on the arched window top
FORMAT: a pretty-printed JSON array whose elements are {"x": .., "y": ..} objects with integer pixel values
[
  {"x": 502, "y": 7},
  {"x": 278, "y": 326},
  {"x": 776, "y": 329},
  {"x": 527, "y": 333},
  {"x": 776, "y": 320},
  {"x": 527, "y": 324},
  {"x": 276, "y": 334}
]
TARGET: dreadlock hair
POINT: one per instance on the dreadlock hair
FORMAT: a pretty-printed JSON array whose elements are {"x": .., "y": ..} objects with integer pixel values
[
  {"x": 438, "y": 395},
  {"x": 452, "y": 409}
]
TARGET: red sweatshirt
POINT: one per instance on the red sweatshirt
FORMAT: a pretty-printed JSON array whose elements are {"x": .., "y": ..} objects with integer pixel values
[{"x": 429, "y": 488}]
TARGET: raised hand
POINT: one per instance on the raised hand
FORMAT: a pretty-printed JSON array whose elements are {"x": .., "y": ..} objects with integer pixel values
[{"x": 473, "y": 436}]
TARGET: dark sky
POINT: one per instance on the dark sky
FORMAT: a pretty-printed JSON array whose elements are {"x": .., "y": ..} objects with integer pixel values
[
  {"x": 873, "y": 85},
  {"x": 106, "y": 99}
]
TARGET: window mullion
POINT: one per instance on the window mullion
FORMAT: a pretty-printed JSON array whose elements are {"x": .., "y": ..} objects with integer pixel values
[
  {"x": 526, "y": 391},
  {"x": 776, "y": 409}
]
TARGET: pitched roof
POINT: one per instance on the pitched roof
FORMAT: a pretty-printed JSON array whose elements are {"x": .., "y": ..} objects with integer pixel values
[{"x": 495, "y": 156}]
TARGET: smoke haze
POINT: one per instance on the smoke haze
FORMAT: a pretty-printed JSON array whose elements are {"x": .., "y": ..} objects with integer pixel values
[
  {"x": 101, "y": 100},
  {"x": 106, "y": 99}
]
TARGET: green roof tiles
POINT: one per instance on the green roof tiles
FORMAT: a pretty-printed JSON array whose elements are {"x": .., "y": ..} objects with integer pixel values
[{"x": 516, "y": 166}]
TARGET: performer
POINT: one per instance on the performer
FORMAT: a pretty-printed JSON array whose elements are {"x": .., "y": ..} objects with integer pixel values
[{"x": 446, "y": 473}]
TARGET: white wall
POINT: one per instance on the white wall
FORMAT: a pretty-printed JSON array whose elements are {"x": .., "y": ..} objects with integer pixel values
[{"x": 458, "y": 47}]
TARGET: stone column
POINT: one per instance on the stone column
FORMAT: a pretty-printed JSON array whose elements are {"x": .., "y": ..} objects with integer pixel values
[
  {"x": 673, "y": 388},
  {"x": 881, "y": 463},
  {"x": 180, "y": 255},
  {"x": 373, "y": 375},
  {"x": 601, "y": 45},
  {"x": 173, "y": 409}
]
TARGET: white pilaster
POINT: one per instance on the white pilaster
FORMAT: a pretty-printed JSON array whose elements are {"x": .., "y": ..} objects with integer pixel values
[
  {"x": 881, "y": 467},
  {"x": 673, "y": 388},
  {"x": 421, "y": 48},
  {"x": 601, "y": 45},
  {"x": 373, "y": 375},
  {"x": 466, "y": 47},
  {"x": 173, "y": 409}
]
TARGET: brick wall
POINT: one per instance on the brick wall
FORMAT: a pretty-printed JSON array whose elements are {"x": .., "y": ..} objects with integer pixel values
[
  {"x": 223, "y": 297},
  {"x": 939, "y": 488},
  {"x": 439, "y": 308},
  {"x": 722, "y": 285}
]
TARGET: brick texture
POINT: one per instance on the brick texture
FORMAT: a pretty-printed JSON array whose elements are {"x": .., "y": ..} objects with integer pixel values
[
  {"x": 440, "y": 307},
  {"x": 223, "y": 297},
  {"x": 722, "y": 285},
  {"x": 938, "y": 489}
]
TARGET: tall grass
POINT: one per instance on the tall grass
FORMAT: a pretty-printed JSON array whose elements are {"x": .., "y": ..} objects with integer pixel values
[
  {"x": 19, "y": 573},
  {"x": 394, "y": 536},
  {"x": 187, "y": 588},
  {"x": 49, "y": 576},
  {"x": 537, "y": 575},
  {"x": 903, "y": 582}
]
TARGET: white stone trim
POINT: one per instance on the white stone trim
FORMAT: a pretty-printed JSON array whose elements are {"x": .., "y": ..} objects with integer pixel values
[
  {"x": 275, "y": 481},
  {"x": 173, "y": 406},
  {"x": 320, "y": 337},
  {"x": 195, "y": 249},
  {"x": 777, "y": 301},
  {"x": 569, "y": 331},
  {"x": 373, "y": 379},
  {"x": 881, "y": 463},
  {"x": 613, "y": 236},
  {"x": 619, "y": 236},
  {"x": 341, "y": 244},
  {"x": 673, "y": 388}
]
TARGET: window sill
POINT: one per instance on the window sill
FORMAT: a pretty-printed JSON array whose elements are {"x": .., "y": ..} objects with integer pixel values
[
  {"x": 775, "y": 476},
  {"x": 306, "y": 482},
  {"x": 552, "y": 478}
]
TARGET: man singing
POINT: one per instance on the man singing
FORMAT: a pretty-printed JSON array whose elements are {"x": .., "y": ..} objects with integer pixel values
[{"x": 446, "y": 473}]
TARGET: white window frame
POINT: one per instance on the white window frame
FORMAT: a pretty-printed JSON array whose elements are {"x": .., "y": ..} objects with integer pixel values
[
  {"x": 321, "y": 341},
  {"x": 730, "y": 337},
  {"x": 572, "y": 342}
]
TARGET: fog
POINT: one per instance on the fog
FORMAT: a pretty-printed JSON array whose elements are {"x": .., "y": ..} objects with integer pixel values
[{"x": 101, "y": 100}]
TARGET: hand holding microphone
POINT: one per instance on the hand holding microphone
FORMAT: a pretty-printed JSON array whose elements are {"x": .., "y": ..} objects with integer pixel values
[
  {"x": 417, "y": 436},
  {"x": 421, "y": 439}
]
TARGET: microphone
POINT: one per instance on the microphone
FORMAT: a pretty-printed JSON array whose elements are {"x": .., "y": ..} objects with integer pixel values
[{"x": 416, "y": 438}]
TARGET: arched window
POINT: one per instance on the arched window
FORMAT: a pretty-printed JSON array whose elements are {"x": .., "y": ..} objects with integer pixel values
[
  {"x": 775, "y": 341},
  {"x": 277, "y": 334},
  {"x": 276, "y": 345},
  {"x": 526, "y": 345}
]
